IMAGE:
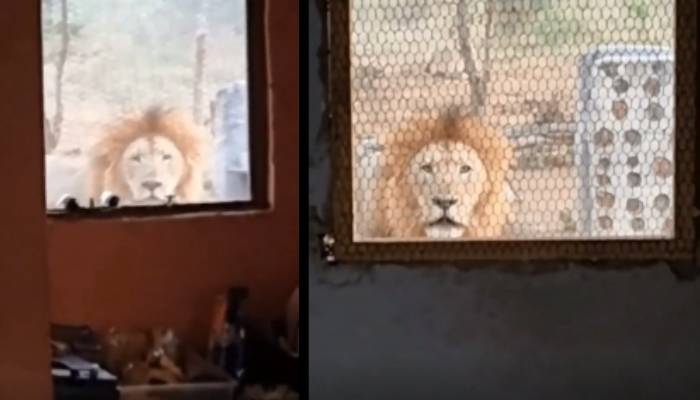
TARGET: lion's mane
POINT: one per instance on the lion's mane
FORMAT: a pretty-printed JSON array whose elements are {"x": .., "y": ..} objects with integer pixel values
[
  {"x": 106, "y": 155},
  {"x": 397, "y": 206}
]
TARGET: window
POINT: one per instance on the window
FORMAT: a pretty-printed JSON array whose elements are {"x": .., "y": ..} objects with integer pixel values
[
  {"x": 151, "y": 103},
  {"x": 491, "y": 129}
]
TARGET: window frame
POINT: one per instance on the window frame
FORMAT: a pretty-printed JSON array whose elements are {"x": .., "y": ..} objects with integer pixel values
[
  {"x": 344, "y": 248},
  {"x": 258, "y": 141}
]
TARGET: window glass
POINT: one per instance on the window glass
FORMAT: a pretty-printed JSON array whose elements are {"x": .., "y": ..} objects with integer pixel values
[{"x": 146, "y": 101}]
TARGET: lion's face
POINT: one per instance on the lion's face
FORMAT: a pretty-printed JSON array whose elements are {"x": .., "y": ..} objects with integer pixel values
[
  {"x": 152, "y": 168},
  {"x": 150, "y": 158},
  {"x": 443, "y": 179},
  {"x": 446, "y": 178}
]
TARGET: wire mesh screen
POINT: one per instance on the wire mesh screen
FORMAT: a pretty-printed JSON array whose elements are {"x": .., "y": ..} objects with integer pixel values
[{"x": 474, "y": 120}]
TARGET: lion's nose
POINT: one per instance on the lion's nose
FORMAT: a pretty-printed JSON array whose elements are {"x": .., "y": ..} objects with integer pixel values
[
  {"x": 151, "y": 185},
  {"x": 444, "y": 203}
]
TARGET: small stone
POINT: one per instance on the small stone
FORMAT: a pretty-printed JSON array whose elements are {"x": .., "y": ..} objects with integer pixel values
[
  {"x": 603, "y": 180},
  {"x": 634, "y": 206},
  {"x": 662, "y": 167},
  {"x": 603, "y": 138},
  {"x": 659, "y": 68},
  {"x": 636, "y": 69},
  {"x": 662, "y": 202},
  {"x": 634, "y": 179},
  {"x": 637, "y": 224},
  {"x": 610, "y": 69},
  {"x": 655, "y": 112},
  {"x": 633, "y": 137},
  {"x": 605, "y": 223},
  {"x": 652, "y": 87},
  {"x": 605, "y": 199},
  {"x": 620, "y": 109},
  {"x": 620, "y": 86}
]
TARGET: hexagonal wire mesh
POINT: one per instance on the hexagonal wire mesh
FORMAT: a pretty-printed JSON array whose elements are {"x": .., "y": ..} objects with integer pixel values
[{"x": 503, "y": 120}]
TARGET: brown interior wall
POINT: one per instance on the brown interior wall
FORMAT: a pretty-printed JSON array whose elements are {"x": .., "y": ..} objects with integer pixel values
[
  {"x": 141, "y": 273},
  {"x": 24, "y": 347}
]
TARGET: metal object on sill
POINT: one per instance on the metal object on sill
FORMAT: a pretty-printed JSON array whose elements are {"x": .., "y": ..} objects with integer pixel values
[
  {"x": 327, "y": 252},
  {"x": 109, "y": 200},
  {"x": 68, "y": 203}
]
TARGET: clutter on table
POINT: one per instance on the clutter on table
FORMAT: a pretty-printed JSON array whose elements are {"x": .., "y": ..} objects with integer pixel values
[
  {"x": 155, "y": 363},
  {"x": 245, "y": 360}
]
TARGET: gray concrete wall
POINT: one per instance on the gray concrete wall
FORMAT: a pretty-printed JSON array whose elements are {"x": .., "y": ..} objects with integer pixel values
[{"x": 392, "y": 332}]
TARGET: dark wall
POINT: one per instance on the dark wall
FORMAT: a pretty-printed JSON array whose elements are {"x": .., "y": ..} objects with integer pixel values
[
  {"x": 165, "y": 271},
  {"x": 139, "y": 272},
  {"x": 24, "y": 306},
  {"x": 392, "y": 332}
]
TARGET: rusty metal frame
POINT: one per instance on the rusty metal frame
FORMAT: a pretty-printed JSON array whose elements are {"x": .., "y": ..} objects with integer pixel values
[{"x": 681, "y": 247}]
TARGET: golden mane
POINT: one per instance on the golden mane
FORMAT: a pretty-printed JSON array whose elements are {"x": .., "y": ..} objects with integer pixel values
[
  {"x": 106, "y": 155},
  {"x": 397, "y": 204}
]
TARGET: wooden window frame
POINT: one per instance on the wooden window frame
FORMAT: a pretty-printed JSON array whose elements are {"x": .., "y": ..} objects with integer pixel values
[{"x": 344, "y": 248}]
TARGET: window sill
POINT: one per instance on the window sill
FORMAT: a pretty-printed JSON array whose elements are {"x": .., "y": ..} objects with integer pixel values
[{"x": 188, "y": 211}]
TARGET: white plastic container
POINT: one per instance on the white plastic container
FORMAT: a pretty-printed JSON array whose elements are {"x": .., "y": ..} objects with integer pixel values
[{"x": 221, "y": 388}]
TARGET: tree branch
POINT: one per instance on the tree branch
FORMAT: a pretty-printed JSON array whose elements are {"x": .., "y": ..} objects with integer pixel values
[
  {"x": 477, "y": 81},
  {"x": 60, "y": 69}
]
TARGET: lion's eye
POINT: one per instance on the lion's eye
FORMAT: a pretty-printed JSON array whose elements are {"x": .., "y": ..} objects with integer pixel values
[
  {"x": 427, "y": 168},
  {"x": 465, "y": 169},
  {"x": 136, "y": 158}
]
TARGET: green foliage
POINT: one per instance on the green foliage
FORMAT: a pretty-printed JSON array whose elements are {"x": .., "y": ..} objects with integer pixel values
[
  {"x": 523, "y": 6},
  {"x": 567, "y": 220},
  {"x": 556, "y": 27},
  {"x": 638, "y": 8}
]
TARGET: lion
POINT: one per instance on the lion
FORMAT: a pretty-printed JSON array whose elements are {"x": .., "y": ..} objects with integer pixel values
[
  {"x": 157, "y": 157},
  {"x": 445, "y": 179}
]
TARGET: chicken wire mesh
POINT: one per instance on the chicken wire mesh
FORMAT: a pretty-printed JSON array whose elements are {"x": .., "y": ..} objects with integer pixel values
[{"x": 474, "y": 120}]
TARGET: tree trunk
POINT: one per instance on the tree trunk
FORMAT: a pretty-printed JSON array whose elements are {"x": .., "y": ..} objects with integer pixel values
[
  {"x": 48, "y": 11},
  {"x": 200, "y": 63},
  {"x": 49, "y": 137},
  {"x": 478, "y": 80},
  {"x": 60, "y": 69}
]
